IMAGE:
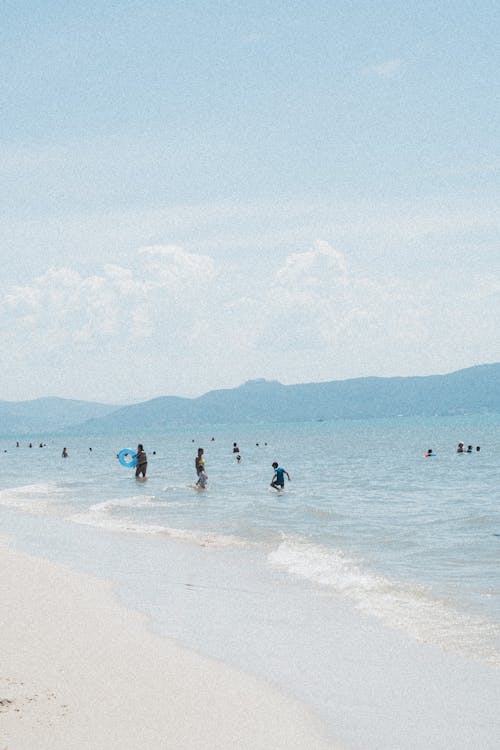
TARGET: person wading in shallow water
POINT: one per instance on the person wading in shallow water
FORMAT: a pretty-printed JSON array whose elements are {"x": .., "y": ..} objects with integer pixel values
[
  {"x": 142, "y": 461},
  {"x": 278, "y": 481},
  {"x": 199, "y": 461}
]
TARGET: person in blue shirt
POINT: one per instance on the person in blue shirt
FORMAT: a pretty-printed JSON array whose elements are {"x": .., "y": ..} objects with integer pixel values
[{"x": 278, "y": 481}]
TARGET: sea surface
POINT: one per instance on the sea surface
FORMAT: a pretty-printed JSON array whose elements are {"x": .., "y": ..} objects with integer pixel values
[{"x": 369, "y": 587}]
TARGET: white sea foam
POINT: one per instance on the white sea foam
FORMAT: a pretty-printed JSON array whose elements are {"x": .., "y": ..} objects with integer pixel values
[
  {"x": 32, "y": 498},
  {"x": 411, "y": 608},
  {"x": 100, "y": 515}
]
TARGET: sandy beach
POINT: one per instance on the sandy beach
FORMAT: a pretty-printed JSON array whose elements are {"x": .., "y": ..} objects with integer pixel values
[{"x": 78, "y": 670}]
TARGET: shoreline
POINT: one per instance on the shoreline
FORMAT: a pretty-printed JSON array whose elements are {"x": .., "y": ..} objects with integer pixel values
[
  {"x": 364, "y": 680},
  {"x": 81, "y": 670}
]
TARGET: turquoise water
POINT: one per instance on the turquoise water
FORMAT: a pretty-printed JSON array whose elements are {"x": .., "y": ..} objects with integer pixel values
[{"x": 367, "y": 526}]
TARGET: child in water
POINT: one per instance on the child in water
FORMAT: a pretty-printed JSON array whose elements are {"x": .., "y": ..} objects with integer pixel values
[
  {"x": 278, "y": 480},
  {"x": 202, "y": 479}
]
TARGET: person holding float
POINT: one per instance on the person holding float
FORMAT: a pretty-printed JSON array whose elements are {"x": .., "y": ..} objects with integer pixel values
[
  {"x": 134, "y": 460},
  {"x": 142, "y": 461}
]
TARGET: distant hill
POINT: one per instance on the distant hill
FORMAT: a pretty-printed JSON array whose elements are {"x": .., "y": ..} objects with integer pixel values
[
  {"x": 473, "y": 390},
  {"x": 45, "y": 415}
]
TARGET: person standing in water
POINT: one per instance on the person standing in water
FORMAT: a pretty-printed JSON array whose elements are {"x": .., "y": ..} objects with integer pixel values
[
  {"x": 142, "y": 461},
  {"x": 64, "y": 453},
  {"x": 202, "y": 478},
  {"x": 278, "y": 480},
  {"x": 199, "y": 461}
]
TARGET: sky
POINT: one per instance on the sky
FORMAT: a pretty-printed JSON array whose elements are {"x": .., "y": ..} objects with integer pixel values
[{"x": 195, "y": 194}]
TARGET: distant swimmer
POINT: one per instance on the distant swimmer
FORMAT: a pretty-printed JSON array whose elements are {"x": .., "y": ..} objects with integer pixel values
[
  {"x": 238, "y": 458},
  {"x": 478, "y": 448},
  {"x": 469, "y": 449},
  {"x": 460, "y": 448},
  {"x": 202, "y": 479},
  {"x": 64, "y": 453},
  {"x": 235, "y": 448},
  {"x": 278, "y": 481},
  {"x": 429, "y": 453},
  {"x": 142, "y": 461}
]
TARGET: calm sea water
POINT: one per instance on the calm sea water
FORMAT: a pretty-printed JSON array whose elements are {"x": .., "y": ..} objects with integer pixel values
[{"x": 412, "y": 543}]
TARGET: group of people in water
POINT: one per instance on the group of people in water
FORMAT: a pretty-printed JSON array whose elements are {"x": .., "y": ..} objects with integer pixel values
[
  {"x": 460, "y": 449},
  {"x": 141, "y": 465},
  {"x": 278, "y": 480}
]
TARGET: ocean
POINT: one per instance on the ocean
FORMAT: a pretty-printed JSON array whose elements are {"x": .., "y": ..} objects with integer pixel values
[{"x": 369, "y": 588}]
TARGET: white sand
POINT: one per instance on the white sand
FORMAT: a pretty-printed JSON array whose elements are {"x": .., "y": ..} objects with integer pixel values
[{"x": 78, "y": 670}]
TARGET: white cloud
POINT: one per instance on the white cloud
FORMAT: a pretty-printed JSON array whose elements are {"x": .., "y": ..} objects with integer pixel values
[
  {"x": 387, "y": 68},
  {"x": 86, "y": 311},
  {"x": 179, "y": 322},
  {"x": 171, "y": 265},
  {"x": 327, "y": 321}
]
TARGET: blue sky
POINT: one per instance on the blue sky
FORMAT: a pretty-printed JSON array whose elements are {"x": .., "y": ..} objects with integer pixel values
[{"x": 194, "y": 194}]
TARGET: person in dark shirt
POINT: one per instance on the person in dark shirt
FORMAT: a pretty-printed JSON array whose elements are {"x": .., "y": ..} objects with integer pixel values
[{"x": 142, "y": 461}]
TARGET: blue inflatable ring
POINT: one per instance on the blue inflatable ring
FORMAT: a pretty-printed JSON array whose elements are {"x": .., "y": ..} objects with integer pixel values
[{"x": 122, "y": 458}]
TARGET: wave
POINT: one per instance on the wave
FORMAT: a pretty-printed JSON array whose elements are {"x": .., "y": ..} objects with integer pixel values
[
  {"x": 32, "y": 498},
  {"x": 411, "y": 608},
  {"x": 100, "y": 515}
]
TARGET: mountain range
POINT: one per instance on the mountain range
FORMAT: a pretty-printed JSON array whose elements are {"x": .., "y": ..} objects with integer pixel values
[
  {"x": 472, "y": 390},
  {"x": 45, "y": 415}
]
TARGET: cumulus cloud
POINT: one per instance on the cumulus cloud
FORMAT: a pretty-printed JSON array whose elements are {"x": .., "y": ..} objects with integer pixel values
[
  {"x": 324, "y": 317},
  {"x": 62, "y": 308},
  {"x": 187, "y": 324},
  {"x": 387, "y": 68},
  {"x": 317, "y": 302},
  {"x": 171, "y": 266}
]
